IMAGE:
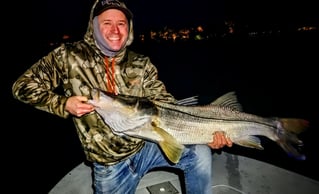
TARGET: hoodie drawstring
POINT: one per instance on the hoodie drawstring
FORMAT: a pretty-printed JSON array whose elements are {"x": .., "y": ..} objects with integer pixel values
[{"x": 110, "y": 76}]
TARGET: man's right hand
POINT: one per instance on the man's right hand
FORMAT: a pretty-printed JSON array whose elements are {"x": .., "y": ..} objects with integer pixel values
[{"x": 76, "y": 105}]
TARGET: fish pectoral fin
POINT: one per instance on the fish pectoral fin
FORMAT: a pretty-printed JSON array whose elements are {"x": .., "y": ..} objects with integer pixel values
[
  {"x": 172, "y": 151},
  {"x": 250, "y": 142},
  {"x": 171, "y": 148}
]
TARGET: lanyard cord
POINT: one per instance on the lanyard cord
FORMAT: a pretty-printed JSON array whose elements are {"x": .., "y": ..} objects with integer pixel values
[{"x": 110, "y": 76}]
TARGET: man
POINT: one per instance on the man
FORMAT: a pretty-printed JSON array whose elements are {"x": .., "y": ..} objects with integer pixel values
[{"x": 102, "y": 60}]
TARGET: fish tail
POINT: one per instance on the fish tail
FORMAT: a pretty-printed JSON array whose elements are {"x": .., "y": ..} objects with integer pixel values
[
  {"x": 293, "y": 125},
  {"x": 288, "y": 139}
]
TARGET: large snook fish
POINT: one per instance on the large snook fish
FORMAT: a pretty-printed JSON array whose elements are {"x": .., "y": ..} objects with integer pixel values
[{"x": 174, "y": 125}]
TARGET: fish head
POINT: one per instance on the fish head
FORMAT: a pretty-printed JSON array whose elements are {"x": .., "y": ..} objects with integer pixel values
[
  {"x": 122, "y": 113},
  {"x": 105, "y": 101}
]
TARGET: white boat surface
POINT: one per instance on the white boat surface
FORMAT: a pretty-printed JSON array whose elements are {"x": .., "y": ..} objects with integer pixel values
[{"x": 232, "y": 174}]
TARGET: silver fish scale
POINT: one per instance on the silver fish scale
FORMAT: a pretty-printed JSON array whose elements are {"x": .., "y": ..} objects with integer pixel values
[
  {"x": 201, "y": 113},
  {"x": 191, "y": 129}
]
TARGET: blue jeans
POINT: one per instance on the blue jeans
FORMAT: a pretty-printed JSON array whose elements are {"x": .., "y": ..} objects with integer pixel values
[{"x": 124, "y": 177}]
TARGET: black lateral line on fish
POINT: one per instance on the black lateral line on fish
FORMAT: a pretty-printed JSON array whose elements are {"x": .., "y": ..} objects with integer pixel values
[{"x": 217, "y": 119}]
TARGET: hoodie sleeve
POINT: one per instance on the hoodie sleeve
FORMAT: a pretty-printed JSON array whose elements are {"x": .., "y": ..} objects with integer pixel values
[
  {"x": 37, "y": 85},
  {"x": 155, "y": 88}
]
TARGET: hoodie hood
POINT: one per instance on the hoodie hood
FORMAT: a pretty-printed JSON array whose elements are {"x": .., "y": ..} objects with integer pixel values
[{"x": 93, "y": 40}]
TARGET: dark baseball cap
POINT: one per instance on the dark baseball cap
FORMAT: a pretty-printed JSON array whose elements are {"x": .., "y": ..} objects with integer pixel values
[{"x": 103, "y": 5}]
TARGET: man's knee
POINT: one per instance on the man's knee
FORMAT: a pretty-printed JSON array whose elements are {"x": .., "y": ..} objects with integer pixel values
[{"x": 204, "y": 155}]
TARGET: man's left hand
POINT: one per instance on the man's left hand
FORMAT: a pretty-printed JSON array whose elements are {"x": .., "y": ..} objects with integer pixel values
[{"x": 220, "y": 140}]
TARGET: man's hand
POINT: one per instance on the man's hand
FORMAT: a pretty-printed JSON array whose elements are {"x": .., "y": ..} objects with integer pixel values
[
  {"x": 76, "y": 105},
  {"x": 220, "y": 140}
]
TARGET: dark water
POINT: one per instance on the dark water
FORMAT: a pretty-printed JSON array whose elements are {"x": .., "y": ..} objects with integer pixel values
[{"x": 271, "y": 76}]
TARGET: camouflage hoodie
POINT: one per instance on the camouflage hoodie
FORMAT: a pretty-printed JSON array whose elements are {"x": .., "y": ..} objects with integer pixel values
[{"x": 78, "y": 67}]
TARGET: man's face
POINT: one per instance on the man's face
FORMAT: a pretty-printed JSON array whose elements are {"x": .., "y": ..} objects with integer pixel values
[{"x": 113, "y": 28}]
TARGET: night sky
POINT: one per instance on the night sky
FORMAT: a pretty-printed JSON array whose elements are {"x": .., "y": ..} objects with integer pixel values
[{"x": 59, "y": 16}]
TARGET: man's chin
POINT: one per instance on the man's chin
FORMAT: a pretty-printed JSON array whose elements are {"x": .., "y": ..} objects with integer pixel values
[{"x": 115, "y": 48}]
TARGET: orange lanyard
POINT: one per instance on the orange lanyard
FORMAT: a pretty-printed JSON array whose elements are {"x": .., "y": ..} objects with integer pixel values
[{"x": 110, "y": 76}]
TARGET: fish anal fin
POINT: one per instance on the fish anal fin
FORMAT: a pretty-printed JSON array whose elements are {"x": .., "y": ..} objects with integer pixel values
[
  {"x": 250, "y": 142},
  {"x": 171, "y": 148}
]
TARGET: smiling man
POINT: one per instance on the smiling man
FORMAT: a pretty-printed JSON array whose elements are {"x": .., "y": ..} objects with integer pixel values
[{"x": 102, "y": 60}]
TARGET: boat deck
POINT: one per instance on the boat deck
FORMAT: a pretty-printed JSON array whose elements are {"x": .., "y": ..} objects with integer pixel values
[{"x": 233, "y": 174}]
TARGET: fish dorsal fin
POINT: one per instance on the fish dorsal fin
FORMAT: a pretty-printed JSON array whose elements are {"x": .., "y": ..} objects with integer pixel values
[
  {"x": 172, "y": 149},
  {"x": 228, "y": 100},
  {"x": 193, "y": 100}
]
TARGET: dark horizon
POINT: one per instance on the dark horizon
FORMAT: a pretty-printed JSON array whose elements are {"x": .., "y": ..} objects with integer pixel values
[{"x": 51, "y": 18}]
